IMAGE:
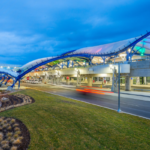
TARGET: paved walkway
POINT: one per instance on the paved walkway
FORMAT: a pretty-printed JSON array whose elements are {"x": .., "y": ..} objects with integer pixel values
[{"x": 16, "y": 87}]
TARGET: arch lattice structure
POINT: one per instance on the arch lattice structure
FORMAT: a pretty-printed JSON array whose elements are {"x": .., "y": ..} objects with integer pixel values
[{"x": 139, "y": 46}]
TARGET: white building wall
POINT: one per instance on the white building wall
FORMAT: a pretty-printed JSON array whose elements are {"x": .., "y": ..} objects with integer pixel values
[{"x": 99, "y": 69}]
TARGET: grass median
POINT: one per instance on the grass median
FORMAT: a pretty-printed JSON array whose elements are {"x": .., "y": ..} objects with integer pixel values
[{"x": 61, "y": 123}]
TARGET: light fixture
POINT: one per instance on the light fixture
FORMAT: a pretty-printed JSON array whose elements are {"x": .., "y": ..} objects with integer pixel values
[
  {"x": 122, "y": 55},
  {"x": 101, "y": 60},
  {"x": 103, "y": 75},
  {"x": 129, "y": 50},
  {"x": 111, "y": 66}
]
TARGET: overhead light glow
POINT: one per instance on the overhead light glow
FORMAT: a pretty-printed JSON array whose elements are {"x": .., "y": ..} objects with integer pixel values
[
  {"x": 111, "y": 66},
  {"x": 122, "y": 55},
  {"x": 141, "y": 50},
  {"x": 101, "y": 60},
  {"x": 129, "y": 50}
]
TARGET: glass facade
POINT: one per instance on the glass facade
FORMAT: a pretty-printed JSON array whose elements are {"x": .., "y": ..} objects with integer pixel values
[
  {"x": 122, "y": 80},
  {"x": 101, "y": 78}
]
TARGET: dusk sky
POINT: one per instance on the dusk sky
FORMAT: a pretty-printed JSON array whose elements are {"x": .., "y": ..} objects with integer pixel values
[{"x": 33, "y": 29}]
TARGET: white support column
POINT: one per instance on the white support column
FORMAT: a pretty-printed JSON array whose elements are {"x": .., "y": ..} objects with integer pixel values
[
  {"x": 128, "y": 83},
  {"x": 90, "y": 80},
  {"x": 67, "y": 81},
  {"x": 72, "y": 79},
  {"x": 78, "y": 78},
  {"x": 138, "y": 81},
  {"x": 131, "y": 81},
  {"x": 86, "y": 80},
  {"x": 110, "y": 80},
  {"x": 54, "y": 81},
  {"x": 145, "y": 80},
  {"x": 63, "y": 79},
  {"x": 45, "y": 80},
  {"x": 113, "y": 87},
  {"x": 58, "y": 80},
  {"x": 104, "y": 78}
]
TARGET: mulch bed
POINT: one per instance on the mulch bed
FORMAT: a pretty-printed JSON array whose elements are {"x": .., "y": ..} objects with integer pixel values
[
  {"x": 13, "y": 100},
  {"x": 15, "y": 140},
  {"x": 26, "y": 136}
]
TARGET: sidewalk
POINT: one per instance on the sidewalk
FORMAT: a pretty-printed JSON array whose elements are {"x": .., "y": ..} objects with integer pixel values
[{"x": 16, "y": 87}]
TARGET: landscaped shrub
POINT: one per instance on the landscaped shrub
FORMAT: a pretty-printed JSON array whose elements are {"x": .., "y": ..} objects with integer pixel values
[
  {"x": 1, "y": 136},
  {"x": 13, "y": 148},
  {"x": 15, "y": 125},
  {"x": 5, "y": 146},
  {"x": 12, "y": 121},
  {"x": 11, "y": 137},
  {"x": 9, "y": 128},
  {"x": 11, "y": 101},
  {"x": 17, "y": 142}
]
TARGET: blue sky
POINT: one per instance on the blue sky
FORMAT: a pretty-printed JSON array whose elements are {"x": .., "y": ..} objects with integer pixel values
[{"x": 33, "y": 29}]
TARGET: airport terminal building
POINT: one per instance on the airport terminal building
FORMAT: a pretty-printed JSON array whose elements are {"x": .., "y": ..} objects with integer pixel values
[{"x": 93, "y": 66}]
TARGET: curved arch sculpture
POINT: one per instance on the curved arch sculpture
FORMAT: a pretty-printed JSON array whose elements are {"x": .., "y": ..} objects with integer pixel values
[{"x": 107, "y": 50}]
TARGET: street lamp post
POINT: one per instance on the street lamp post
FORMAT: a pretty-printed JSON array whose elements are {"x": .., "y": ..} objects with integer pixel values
[
  {"x": 78, "y": 76},
  {"x": 119, "y": 110}
]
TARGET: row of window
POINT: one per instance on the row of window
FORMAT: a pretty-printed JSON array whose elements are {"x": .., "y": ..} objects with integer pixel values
[{"x": 122, "y": 79}]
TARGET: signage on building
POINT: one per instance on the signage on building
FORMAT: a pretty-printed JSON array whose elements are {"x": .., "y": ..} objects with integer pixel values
[{"x": 67, "y": 77}]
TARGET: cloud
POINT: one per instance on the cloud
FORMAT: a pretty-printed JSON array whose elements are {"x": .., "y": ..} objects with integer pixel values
[{"x": 31, "y": 30}]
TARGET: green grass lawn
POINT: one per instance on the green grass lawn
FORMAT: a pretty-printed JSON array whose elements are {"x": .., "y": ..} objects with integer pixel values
[{"x": 61, "y": 123}]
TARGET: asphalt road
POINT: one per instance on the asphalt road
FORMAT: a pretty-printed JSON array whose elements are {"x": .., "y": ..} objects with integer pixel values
[{"x": 129, "y": 105}]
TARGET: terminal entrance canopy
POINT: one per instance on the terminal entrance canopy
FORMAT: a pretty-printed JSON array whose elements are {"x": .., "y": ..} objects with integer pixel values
[{"x": 139, "y": 46}]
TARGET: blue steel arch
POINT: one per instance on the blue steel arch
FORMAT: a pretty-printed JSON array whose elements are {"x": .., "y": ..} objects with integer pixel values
[
  {"x": 51, "y": 60},
  {"x": 8, "y": 73},
  {"x": 89, "y": 56},
  {"x": 45, "y": 62}
]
